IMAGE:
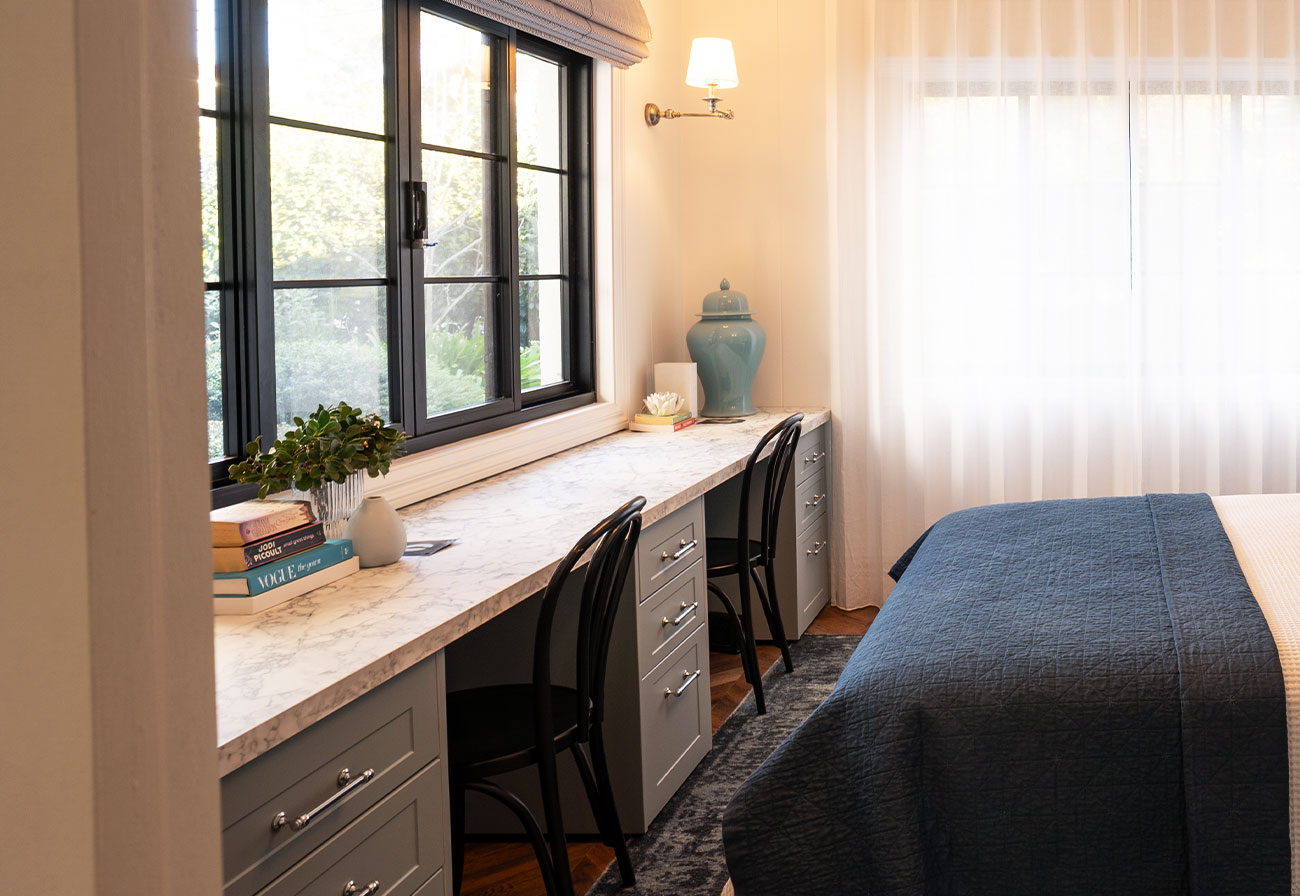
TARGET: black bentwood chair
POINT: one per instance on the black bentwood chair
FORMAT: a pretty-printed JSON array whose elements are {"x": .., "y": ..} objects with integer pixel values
[
  {"x": 492, "y": 730},
  {"x": 742, "y": 556}
]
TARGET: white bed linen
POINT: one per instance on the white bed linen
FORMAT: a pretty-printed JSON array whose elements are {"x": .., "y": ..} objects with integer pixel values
[{"x": 1265, "y": 535}]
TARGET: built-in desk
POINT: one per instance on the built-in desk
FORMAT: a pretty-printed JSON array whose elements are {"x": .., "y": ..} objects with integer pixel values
[{"x": 292, "y": 666}]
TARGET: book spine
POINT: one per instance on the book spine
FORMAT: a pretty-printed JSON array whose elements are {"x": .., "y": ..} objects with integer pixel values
[
  {"x": 291, "y": 542},
  {"x": 277, "y": 573},
  {"x": 689, "y": 421}
]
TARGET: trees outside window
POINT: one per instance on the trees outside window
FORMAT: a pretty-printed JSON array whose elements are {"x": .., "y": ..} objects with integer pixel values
[{"x": 330, "y": 130}]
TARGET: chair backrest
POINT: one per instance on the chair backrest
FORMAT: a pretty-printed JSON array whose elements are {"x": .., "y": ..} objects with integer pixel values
[
  {"x": 612, "y": 543},
  {"x": 784, "y": 439}
]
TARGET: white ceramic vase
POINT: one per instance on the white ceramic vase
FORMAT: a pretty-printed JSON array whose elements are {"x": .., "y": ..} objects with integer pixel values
[{"x": 376, "y": 531}]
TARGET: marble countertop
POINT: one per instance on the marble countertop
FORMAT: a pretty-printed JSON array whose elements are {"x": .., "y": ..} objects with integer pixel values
[{"x": 281, "y": 670}]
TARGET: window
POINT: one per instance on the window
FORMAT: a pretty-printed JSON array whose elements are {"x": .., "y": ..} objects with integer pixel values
[{"x": 332, "y": 132}]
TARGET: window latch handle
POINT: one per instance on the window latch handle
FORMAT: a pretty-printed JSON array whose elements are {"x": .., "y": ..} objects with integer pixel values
[{"x": 417, "y": 206}]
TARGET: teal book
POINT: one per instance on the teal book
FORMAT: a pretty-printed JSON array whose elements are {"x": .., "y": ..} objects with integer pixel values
[{"x": 281, "y": 572}]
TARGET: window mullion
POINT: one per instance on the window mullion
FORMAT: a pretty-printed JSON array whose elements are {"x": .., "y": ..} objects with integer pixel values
[
  {"x": 509, "y": 344},
  {"x": 405, "y": 300},
  {"x": 260, "y": 298}
]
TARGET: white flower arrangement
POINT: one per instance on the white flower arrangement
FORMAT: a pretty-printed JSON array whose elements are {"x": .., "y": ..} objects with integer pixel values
[{"x": 664, "y": 404}]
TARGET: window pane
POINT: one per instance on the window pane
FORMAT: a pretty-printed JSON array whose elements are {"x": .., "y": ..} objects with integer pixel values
[
  {"x": 459, "y": 197},
  {"x": 212, "y": 332},
  {"x": 458, "y": 359},
  {"x": 331, "y": 345},
  {"x": 541, "y": 333},
  {"x": 206, "y": 19},
  {"x": 541, "y": 223},
  {"x": 208, "y": 184},
  {"x": 327, "y": 205},
  {"x": 327, "y": 62},
  {"x": 537, "y": 99},
  {"x": 455, "y": 82}
]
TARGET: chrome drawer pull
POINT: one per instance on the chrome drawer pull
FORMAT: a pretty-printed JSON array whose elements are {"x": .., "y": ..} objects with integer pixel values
[
  {"x": 817, "y": 499},
  {"x": 690, "y": 680},
  {"x": 346, "y": 785},
  {"x": 685, "y": 548},
  {"x": 817, "y": 548},
  {"x": 681, "y": 617},
  {"x": 350, "y": 889},
  {"x": 814, "y": 457}
]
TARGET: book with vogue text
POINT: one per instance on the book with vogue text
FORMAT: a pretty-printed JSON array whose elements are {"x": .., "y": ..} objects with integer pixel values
[
  {"x": 238, "y": 559},
  {"x": 252, "y": 521},
  {"x": 244, "y": 604}
]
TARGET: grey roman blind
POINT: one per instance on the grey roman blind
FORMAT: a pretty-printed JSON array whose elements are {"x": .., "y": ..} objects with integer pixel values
[{"x": 613, "y": 30}]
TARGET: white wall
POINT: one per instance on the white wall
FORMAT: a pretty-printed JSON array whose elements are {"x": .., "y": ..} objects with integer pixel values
[
  {"x": 46, "y": 832},
  {"x": 746, "y": 199},
  {"x": 106, "y": 648}
]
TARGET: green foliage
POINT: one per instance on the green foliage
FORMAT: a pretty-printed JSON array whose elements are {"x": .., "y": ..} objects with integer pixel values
[
  {"x": 530, "y": 365},
  {"x": 329, "y": 446}
]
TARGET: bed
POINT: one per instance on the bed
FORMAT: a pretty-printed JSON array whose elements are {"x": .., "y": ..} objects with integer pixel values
[{"x": 1060, "y": 697}]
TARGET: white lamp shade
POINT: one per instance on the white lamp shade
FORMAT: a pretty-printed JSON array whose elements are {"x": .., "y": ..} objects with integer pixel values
[{"x": 713, "y": 63}]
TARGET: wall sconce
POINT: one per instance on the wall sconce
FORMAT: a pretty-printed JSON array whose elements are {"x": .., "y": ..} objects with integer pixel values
[{"x": 712, "y": 65}]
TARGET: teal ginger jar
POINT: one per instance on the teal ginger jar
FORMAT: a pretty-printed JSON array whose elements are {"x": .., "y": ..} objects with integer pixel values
[{"x": 726, "y": 345}]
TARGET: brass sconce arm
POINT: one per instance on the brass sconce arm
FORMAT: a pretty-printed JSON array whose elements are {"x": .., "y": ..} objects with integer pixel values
[{"x": 653, "y": 114}]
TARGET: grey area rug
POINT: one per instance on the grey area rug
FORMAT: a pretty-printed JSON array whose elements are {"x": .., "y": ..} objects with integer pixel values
[{"x": 681, "y": 854}]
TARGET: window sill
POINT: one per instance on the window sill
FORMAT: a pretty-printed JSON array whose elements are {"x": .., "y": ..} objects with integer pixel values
[{"x": 439, "y": 470}]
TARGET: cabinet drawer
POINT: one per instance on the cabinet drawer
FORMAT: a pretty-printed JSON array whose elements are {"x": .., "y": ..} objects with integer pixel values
[
  {"x": 393, "y": 730},
  {"x": 398, "y": 843},
  {"x": 676, "y": 728},
  {"x": 810, "y": 500},
  {"x": 668, "y": 547},
  {"x": 669, "y": 616},
  {"x": 812, "y": 559},
  {"x": 811, "y": 456}
]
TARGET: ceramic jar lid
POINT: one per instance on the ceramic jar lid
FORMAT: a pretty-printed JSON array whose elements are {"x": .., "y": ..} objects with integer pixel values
[{"x": 726, "y": 303}]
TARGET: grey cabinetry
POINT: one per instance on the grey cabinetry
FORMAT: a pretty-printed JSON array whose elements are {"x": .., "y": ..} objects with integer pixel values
[
  {"x": 802, "y": 559},
  {"x": 357, "y": 799},
  {"x": 657, "y": 709}
]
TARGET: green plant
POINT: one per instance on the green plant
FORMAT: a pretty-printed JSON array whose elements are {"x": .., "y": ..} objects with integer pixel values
[{"x": 329, "y": 446}]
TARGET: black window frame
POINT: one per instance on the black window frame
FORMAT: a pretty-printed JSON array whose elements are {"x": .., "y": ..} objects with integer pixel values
[{"x": 246, "y": 287}]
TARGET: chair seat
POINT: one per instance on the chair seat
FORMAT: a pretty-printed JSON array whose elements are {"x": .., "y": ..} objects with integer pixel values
[
  {"x": 490, "y": 730},
  {"x": 722, "y": 556}
]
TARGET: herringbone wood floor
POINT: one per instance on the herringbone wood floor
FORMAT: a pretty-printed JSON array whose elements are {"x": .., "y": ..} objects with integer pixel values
[{"x": 509, "y": 869}]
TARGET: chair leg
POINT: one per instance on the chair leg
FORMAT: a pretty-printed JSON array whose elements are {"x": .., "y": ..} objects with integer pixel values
[
  {"x": 534, "y": 831},
  {"x": 603, "y": 807},
  {"x": 748, "y": 652},
  {"x": 767, "y": 597},
  {"x": 548, "y": 778},
  {"x": 457, "y": 835},
  {"x": 739, "y": 629}
]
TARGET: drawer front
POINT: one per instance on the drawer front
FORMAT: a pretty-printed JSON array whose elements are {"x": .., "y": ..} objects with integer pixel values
[
  {"x": 812, "y": 559},
  {"x": 811, "y": 456},
  {"x": 676, "y": 730},
  {"x": 669, "y": 617},
  {"x": 393, "y": 730},
  {"x": 668, "y": 547},
  {"x": 397, "y": 844},
  {"x": 810, "y": 499},
  {"x": 438, "y": 885}
]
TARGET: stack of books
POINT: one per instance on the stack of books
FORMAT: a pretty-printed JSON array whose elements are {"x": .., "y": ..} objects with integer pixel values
[
  {"x": 266, "y": 552},
  {"x": 653, "y": 423}
]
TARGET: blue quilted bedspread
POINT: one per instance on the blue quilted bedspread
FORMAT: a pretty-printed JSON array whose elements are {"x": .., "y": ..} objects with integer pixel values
[{"x": 1063, "y": 697}]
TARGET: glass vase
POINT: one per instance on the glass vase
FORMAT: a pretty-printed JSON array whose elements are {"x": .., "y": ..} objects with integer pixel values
[{"x": 334, "y": 502}]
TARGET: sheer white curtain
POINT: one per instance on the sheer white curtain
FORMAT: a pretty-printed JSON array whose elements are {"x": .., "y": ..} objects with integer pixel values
[{"x": 1068, "y": 249}]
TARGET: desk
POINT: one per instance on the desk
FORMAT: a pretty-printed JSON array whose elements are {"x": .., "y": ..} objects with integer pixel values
[{"x": 282, "y": 670}]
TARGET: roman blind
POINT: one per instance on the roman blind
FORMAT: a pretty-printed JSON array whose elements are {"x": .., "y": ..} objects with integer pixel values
[{"x": 614, "y": 30}]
